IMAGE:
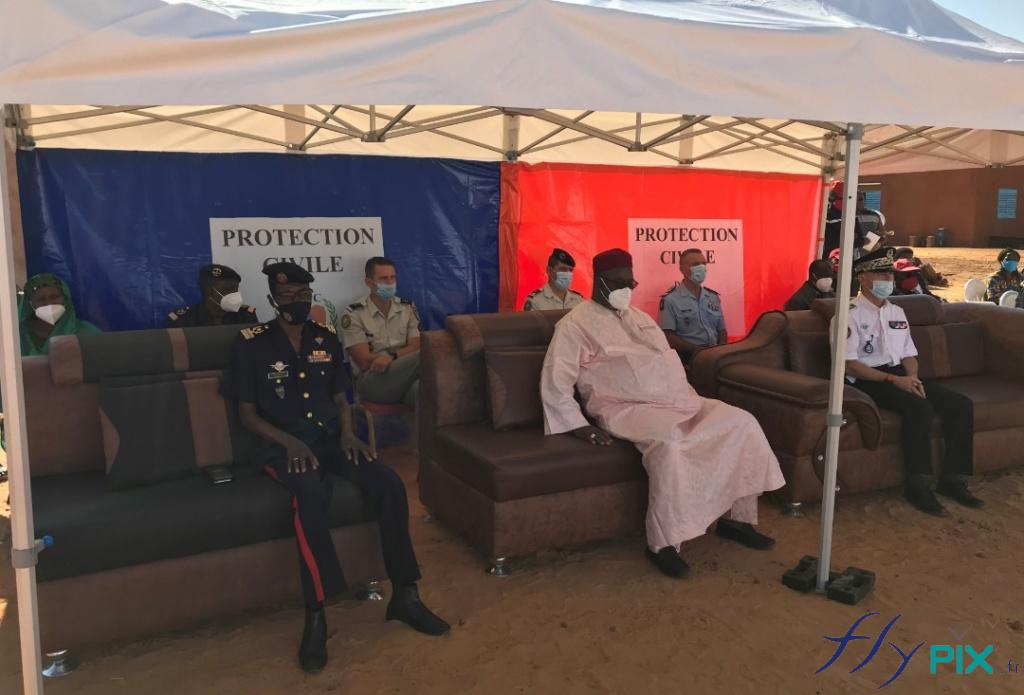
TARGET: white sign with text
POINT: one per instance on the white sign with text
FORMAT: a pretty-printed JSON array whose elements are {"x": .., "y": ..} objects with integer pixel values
[
  {"x": 657, "y": 244},
  {"x": 333, "y": 249}
]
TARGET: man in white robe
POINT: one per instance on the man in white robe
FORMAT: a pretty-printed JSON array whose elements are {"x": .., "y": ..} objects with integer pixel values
[{"x": 704, "y": 459}]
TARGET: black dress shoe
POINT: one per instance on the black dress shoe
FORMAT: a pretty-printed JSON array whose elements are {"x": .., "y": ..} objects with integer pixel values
[
  {"x": 744, "y": 534},
  {"x": 957, "y": 490},
  {"x": 405, "y": 605},
  {"x": 313, "y": 650},
  {"x": 924, "y": 499},
  {"x": 668, "y": 561}
]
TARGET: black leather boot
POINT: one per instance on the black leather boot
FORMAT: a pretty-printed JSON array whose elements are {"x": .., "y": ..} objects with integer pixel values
[
  {"x": 919, "y": 493},
  {"x": 405, "y": 605},
  {"x": 313, "y": 650},
  {"x": 956, "y": 489}
]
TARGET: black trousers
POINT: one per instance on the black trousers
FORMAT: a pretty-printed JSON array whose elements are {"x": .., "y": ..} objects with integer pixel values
[
  {"x": 384, "y": 492},
  {"x": 954, "y": 409}
]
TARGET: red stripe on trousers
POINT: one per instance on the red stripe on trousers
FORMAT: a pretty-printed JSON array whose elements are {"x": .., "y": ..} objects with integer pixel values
[{"x": 300, "y": 535}]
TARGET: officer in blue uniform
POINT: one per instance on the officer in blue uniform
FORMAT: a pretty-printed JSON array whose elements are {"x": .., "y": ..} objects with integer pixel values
[
  {"x": 221, "y": 303},
  {"x": 691, "y": 314},
  {"x": 290, "y": 383}
]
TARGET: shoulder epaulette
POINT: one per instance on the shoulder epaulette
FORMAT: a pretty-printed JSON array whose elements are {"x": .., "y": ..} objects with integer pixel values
[
  {"x": 355, "y": 305},
  {"x": 252, "y": 332},
  {"x": 327, "y": 327},
  {"x": 535, "y": 292},
  {"x": 710, "y": 290},
  {"x": 402, "y": 300},
  {"x": 575, "y": 293}
]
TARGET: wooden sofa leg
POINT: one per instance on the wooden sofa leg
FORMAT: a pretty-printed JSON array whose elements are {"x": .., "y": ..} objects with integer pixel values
[
  {"x": 499, "y": 567},
  {"x": 371, "y": 592},
  {"x": 793, "y": 510},
  {"x": 62, "y": 663}
]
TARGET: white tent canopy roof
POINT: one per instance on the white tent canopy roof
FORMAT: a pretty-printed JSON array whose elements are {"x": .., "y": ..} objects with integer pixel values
[{"x": 899, "y": 61}]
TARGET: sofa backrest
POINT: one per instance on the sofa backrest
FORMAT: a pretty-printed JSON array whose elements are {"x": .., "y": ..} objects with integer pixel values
[
  {"x": 62, "y": 390},
  {"x": 453, "y": 371},
  {"x": 946, "y": 347}
]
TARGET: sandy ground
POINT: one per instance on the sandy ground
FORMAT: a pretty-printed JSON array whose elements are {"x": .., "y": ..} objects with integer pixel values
[{"x": 600, "y": 619}]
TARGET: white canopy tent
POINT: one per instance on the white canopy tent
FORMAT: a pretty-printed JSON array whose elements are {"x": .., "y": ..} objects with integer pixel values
[{"x": 557, "y": 70}]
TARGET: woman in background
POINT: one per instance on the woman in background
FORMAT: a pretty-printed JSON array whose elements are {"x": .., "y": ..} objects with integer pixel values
[{"x": 46, "y": 310}]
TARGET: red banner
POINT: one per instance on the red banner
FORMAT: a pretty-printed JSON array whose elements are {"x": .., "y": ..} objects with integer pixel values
[{"x": 759, "y": 230}]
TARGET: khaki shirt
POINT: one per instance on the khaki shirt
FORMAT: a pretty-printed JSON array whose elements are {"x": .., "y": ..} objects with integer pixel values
[
  {"x": 545, "y": 299},
  {"x": 363, "y": 322}
]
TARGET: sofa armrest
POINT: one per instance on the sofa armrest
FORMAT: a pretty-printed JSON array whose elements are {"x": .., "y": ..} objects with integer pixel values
[
  {"x": 807, "y": 392},
  {"x": 762, "y": 346}
]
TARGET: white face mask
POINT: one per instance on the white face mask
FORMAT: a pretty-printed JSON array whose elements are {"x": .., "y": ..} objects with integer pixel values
[
  {"x": 823, "y": 284},
  {"x": 620, "y": 298},
  {"x": 50, "y": 313},
  {"x": 231, "y": 302}
]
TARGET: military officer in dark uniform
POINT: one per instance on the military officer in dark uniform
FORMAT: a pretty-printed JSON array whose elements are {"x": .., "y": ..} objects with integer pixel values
[
  {"x": 289, "y": 381},
  {"x": 221, "y": 303},
  {"x": 818, "y": 286}
]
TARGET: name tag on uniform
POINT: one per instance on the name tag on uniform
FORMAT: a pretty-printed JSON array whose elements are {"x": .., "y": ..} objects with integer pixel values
[
  {"x": 278, "y": 370},
  {"x": 898, "y": 324},
  {"x": 319, "y": 357}
]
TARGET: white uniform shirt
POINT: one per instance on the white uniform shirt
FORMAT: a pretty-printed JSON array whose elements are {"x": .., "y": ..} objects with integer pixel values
[{"x": 878, "y": 336}]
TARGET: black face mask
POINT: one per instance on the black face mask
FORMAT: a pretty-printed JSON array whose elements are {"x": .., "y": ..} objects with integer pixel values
[{"x": 295, "y": 313}]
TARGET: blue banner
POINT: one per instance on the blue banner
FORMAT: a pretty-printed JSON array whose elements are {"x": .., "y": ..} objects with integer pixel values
[{"x": 128, "y": 230}]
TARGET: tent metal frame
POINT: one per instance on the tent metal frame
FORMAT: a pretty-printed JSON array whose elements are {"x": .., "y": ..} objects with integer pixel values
[
  {"x": 648, "y": 133},
  {"x": 323, "y": 126}
]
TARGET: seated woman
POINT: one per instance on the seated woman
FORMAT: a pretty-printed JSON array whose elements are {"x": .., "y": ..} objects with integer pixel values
[
  {"x": 46, "y": 310},
  {"x": 1006, "y": 278}
]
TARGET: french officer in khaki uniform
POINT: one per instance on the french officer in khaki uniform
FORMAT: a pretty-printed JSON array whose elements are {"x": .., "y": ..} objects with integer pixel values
[
  {"x": 556, "y": 293},
  {"x": 382, "y": 336}
]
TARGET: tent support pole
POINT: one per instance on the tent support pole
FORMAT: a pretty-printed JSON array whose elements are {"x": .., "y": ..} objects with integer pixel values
[
  {"x": 854, "y": 136},
  {"x": 23, "y": 545}
]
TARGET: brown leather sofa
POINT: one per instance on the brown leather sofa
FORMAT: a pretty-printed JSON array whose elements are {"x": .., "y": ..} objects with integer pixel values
[
  {"x": 486, "y": 468},
  {"x": 780, "y": 374},
  {"x": 173, "y": 554}
]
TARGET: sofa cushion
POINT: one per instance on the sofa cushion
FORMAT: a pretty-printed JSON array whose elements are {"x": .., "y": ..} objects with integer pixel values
[
  {"x": 522, "y": 463},
  {"x": 95, "y": 529},
  {"x": 809, "y": 353},
  {"x": 513, "y": 383},
  {"x": 998, "y": 402},
  {"x": 147, "y": 434}
]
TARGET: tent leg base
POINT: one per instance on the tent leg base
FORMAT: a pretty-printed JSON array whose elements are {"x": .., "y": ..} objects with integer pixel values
[
  {"x": 371, "y": 592},
  {"x": 793, "y": 510},
  {"x": 62, "y": 663}
]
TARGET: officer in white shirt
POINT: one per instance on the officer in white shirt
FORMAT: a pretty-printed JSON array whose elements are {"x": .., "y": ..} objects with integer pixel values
[{"x": 882, "y": 360}]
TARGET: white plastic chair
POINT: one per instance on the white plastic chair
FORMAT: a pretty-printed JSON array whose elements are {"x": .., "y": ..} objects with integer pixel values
[
  {"x": 1008, "y": 298},
  {"x": 974, "y": 290}
]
